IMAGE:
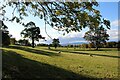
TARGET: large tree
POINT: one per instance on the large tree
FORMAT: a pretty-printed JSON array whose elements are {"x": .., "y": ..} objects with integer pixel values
[
  {"x": 32, "y": 32},
  {"x": 62, "y": 16},
  {"x": 97, "y": 36}
]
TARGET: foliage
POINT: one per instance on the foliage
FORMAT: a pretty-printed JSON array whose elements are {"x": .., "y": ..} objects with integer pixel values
[
  {"x": 55, "y": 42},
  {"x": 97, "y": 36},
  {"x": 62, "y": 16},
  {"x": 24, "y": 42},
  {"x": 91, "y": 45},
  {"x": 5, "y": 39},
  {"x": 84, "y": 46},
  {"x": 32, "y": 32},
  {"x": 42, "y": 44},
  {"x": 111, "y": 44},
  {"x": 5, "y": 34},
  {"x": 12, "y": 41}
]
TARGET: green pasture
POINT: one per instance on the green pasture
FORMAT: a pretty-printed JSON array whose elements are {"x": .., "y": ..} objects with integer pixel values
[{"x": 62, "y": 63}]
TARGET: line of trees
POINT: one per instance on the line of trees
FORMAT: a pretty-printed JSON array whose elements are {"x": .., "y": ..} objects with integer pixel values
[
  {"x": 23, "y": 42},
  {"x": 112, "y": 44}
]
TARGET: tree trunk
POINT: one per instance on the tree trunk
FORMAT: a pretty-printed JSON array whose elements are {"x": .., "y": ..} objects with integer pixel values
[
  {"x": 97, "y": 45},
  {"x": 48, "y": 46},
  {"x": 96, "y": 48},
  {"x": 33, "y": 42}
]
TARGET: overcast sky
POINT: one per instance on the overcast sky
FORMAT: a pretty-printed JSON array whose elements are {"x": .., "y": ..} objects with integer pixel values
[{"x": 109, "y": 10}]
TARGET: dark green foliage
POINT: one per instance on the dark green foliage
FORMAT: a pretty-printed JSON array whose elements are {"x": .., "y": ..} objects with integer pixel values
[
  {"x": 24, "y": 42},
  {"x": 84, "y": 46},
  {"x": 97, "y": 36},
  {"x": 111, "y": 45},
  {"x": 55, "y": 42},
  {"x": 5, "y": 39},
  {"x": 5, "y": 34},
  {"x": 42, "y": 44},
  {"x": 12, "y": 41},
  {"x": 32, "y": 32}
]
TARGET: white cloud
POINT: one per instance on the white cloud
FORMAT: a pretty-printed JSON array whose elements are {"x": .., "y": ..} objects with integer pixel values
[
  {"x": 115, "y": 23},
  {"x": 113, "y": 34},
  {"x": 73, "y": 37}
]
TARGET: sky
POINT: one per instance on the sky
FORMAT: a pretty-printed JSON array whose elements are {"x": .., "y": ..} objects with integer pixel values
[{"x": 109, "y": 10}]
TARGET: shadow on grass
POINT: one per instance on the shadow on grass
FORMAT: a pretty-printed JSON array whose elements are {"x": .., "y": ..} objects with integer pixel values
[
  {"x": 91, "y": 54},
  {"x": 16, "y": 67},
  {"x": 47, "y": 53},
  {"x": 93, "y": 49}
]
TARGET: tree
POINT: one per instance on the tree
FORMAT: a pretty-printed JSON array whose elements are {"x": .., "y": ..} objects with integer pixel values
[
  {"x": 32, "y": 32},
  {"x": 24, "y": 42},
  {"x": 91, "y": 45},
  {"x": 84, "y": 45},
  {"x": 5, "y": 34},
  {"x": 111, "y": 44},
  {"x": 12, "y": 41},
  {"x": 55, "y": 43},
  {"x": 97, "y": 36},
  {"x": 62, "y": 16}
]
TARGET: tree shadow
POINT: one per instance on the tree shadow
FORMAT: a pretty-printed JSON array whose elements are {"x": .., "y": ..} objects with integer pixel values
[
  {"x": 16, "y": 67},
  {"x": 47, "y": 53},
  {"x": 91, "y": 54}
]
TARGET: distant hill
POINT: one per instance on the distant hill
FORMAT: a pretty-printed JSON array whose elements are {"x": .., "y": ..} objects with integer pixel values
[{"x": 74, "y": 43}]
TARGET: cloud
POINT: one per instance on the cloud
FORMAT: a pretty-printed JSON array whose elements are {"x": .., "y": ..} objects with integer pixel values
[
  {"x": 113, "y": 34},
  {"x": 115, "y": 30},
  {"x": 115, "y": 23},
  {"x": 73, "y": 37}
]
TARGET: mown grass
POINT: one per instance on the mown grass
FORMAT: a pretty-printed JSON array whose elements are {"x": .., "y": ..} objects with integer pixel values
[{"x": 40, "y": 62}]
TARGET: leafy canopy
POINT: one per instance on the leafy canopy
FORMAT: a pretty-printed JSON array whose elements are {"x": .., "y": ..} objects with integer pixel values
[
  {"x": 62, "y": 16},
  {"x": 97, "y": 36},
  {"x": 32, "y": 32},
  {"x": 55, "y": 42}
]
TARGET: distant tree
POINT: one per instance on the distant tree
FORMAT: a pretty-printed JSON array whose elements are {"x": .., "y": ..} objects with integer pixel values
[
  {"x": 84, "y": 45},
  {"x": 91, "y": 45},
  {"x": 12, "y": 41},
  {"x": 55, "y": 43},
  {"x": 97, "y": 36},
  {"x": 32, "y": 32},
  {"x": 20, "y": 41},
  {"x": 42, "y": 44},
  {"x": 24, "y": 42},
  {"x": 118, "y": 45},
  {"x": 112, "y": 44},
  {"x": 5, "y": 34}
]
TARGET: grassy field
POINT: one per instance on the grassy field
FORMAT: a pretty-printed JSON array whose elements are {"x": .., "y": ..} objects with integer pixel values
[{"x": 40, "y": 62}]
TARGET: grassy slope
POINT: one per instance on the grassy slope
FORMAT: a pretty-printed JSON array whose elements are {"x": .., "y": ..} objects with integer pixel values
[{"x": 25, "y": 62}]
